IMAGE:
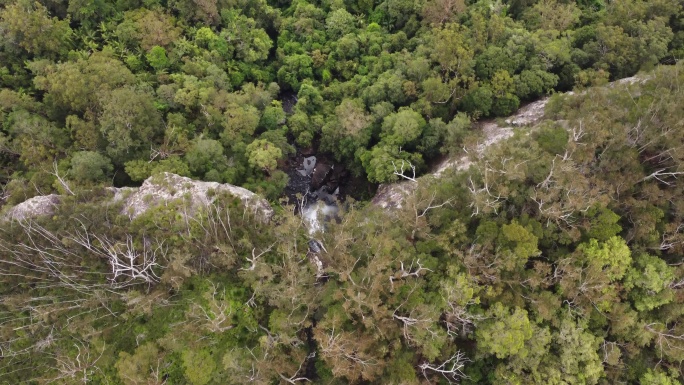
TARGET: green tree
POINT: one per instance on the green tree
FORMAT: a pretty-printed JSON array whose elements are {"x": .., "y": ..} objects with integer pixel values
[
  {"x": 240, "y": 122},
  {"x": 89, "y": 166},
  {"x": 157, "y": 58},
  {"x": 137, "y": 368},
  {"x": 656, "y": 377},
  {"x": 339, "y": 23},
  {"x": 294, "y": 70},
  {"x": 199, "y": 366},
  {"x": 520, "y": 243},
  {"x": 613, "y": 254},
  {"x": 455, "y": 132},
  {"x": 28, "y": 24},
  {"x": 205, "y": 11},
  {"x": 478, "y": 101},
  {"x": 505, "y": 332},
  {"x": 402, "y": 128},
  {"x": 206, "y": 155},
  {"x": 649, "y": 281},
  {"x": 263, "y": 155},
  {"x": 453, "y": 53},
  {"x": 81, "y": 85},
  {"x": 382, "y": 161},
  {"x": 250, "y": 42},
  {"x": 129, "y": 122},
  {"x": 273, "y": 116},
  {"x": 148, "y": 28}
]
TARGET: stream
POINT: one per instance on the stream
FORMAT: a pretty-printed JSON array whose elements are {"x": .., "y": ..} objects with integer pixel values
[{"x": 314, "y": 187}]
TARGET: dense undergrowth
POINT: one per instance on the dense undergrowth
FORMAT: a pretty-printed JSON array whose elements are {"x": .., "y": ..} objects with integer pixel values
[{"x": 555, "y": 259}]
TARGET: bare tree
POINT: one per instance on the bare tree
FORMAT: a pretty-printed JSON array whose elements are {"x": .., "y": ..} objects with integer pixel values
[
  {"x": 79, "y": 368},
  {"x": 255, "y": 258},
  {"x": 345, "y": 351},
  {"x": 414, "y": 270},
  {"x": 403, "y": 168},
  {"x": 483, "y": 199},
  {"x": 296, "y": 377},
  {"x": 420, "y": 319},
  {"x": 63, "y": 182},
  {"x": 451, "y": 369},
  {"x": 666, "y": 337},
  {"x": 128, "y": 265},
  {"x": 661, "y": 174},
  {"x": 45, "y": 256},
  {"x": 216, "y": 315}
]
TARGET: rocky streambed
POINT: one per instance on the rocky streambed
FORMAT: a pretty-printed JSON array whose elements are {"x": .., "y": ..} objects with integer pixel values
[{"x": 317, "y": 185}]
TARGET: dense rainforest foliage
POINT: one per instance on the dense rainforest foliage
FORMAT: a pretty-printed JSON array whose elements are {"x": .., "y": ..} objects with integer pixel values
[
  {"x": 557, "y": 258},
  {"x": 222, "y": 90}
]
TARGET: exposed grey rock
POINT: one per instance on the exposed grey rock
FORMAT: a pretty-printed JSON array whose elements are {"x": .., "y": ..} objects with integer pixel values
[
  {"x": 120, "y": 193},
  {"x": 528, "y": 117},
  {"x": 34, "y": 207},
  {"x": 307, "y": 166},
  {"x": 391, "y": 195},
  {"x": 155, "y": 191},
  {"x": 529, "y": 114},
  {"x": 167, "y": 187}
]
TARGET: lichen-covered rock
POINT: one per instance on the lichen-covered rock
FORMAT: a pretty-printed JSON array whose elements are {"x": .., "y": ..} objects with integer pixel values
[
  {"x": 526, "y": 118},
  {"x": 529, "y": 114},
  {"x": 167, "y": 187},
  {"x": 34, "y": 207},
  {"x": 155, "y": 191},
  {"x": 392, "y": 195}
]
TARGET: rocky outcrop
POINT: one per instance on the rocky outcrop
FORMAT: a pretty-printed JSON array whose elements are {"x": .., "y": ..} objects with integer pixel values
[
  {"x": 392, "y": 195},
  {"x": 168, "y": 187},
  {"x": 155, "y": 191},
  {"x": 34, "y": 207},
  {"x": 526, "y": 118}
]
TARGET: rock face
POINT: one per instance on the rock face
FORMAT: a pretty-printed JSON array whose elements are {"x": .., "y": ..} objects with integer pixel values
[
  {"x": 167, "y": 187},
  {"x": 34, "y": 207},
  {"x": 154, "y": 191},
  {"x": 392, "y": 195},
  {"x": 526, "y": 118},
  {"x": 529, "y": 114}
]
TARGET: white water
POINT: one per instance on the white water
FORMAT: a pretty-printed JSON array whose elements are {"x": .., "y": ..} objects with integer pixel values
[{"x": 316, "y": 214}]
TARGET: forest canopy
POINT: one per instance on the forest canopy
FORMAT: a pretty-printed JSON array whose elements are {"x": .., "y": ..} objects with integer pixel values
[
  {"x": 556, "y": 258},
  {"x": 146, "y": 84}
]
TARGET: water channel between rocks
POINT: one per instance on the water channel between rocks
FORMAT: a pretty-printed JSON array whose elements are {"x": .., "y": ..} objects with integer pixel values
[{"x": 314, "y": 186}]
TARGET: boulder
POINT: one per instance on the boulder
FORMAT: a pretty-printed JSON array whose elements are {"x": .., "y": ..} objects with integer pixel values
[
  {"x": 320, "y": 175},
  {"x": 34, "y": 207},
  {"x": 167, "y": 187},
  {"x": 155, "y": 191}
]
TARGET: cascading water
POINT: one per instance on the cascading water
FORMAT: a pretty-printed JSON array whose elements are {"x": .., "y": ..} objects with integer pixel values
[
  {"x": 316, "y": 213},
  {"x": 319, "y": 205}
]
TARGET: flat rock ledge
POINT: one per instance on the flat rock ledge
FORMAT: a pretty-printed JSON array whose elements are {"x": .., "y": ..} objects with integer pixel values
[{"x": 155, "y": 191}]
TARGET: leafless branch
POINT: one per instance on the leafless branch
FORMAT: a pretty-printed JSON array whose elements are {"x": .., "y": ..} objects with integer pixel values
[
  {"x": 60, "y": 179},
  {"x": 451, "y": 369},
  {"x": 255, "y": 258},
  {"x": 414, "y": 270},
  {"x": 660, "y": 174},
  {"x": 401, "y": 170}
]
